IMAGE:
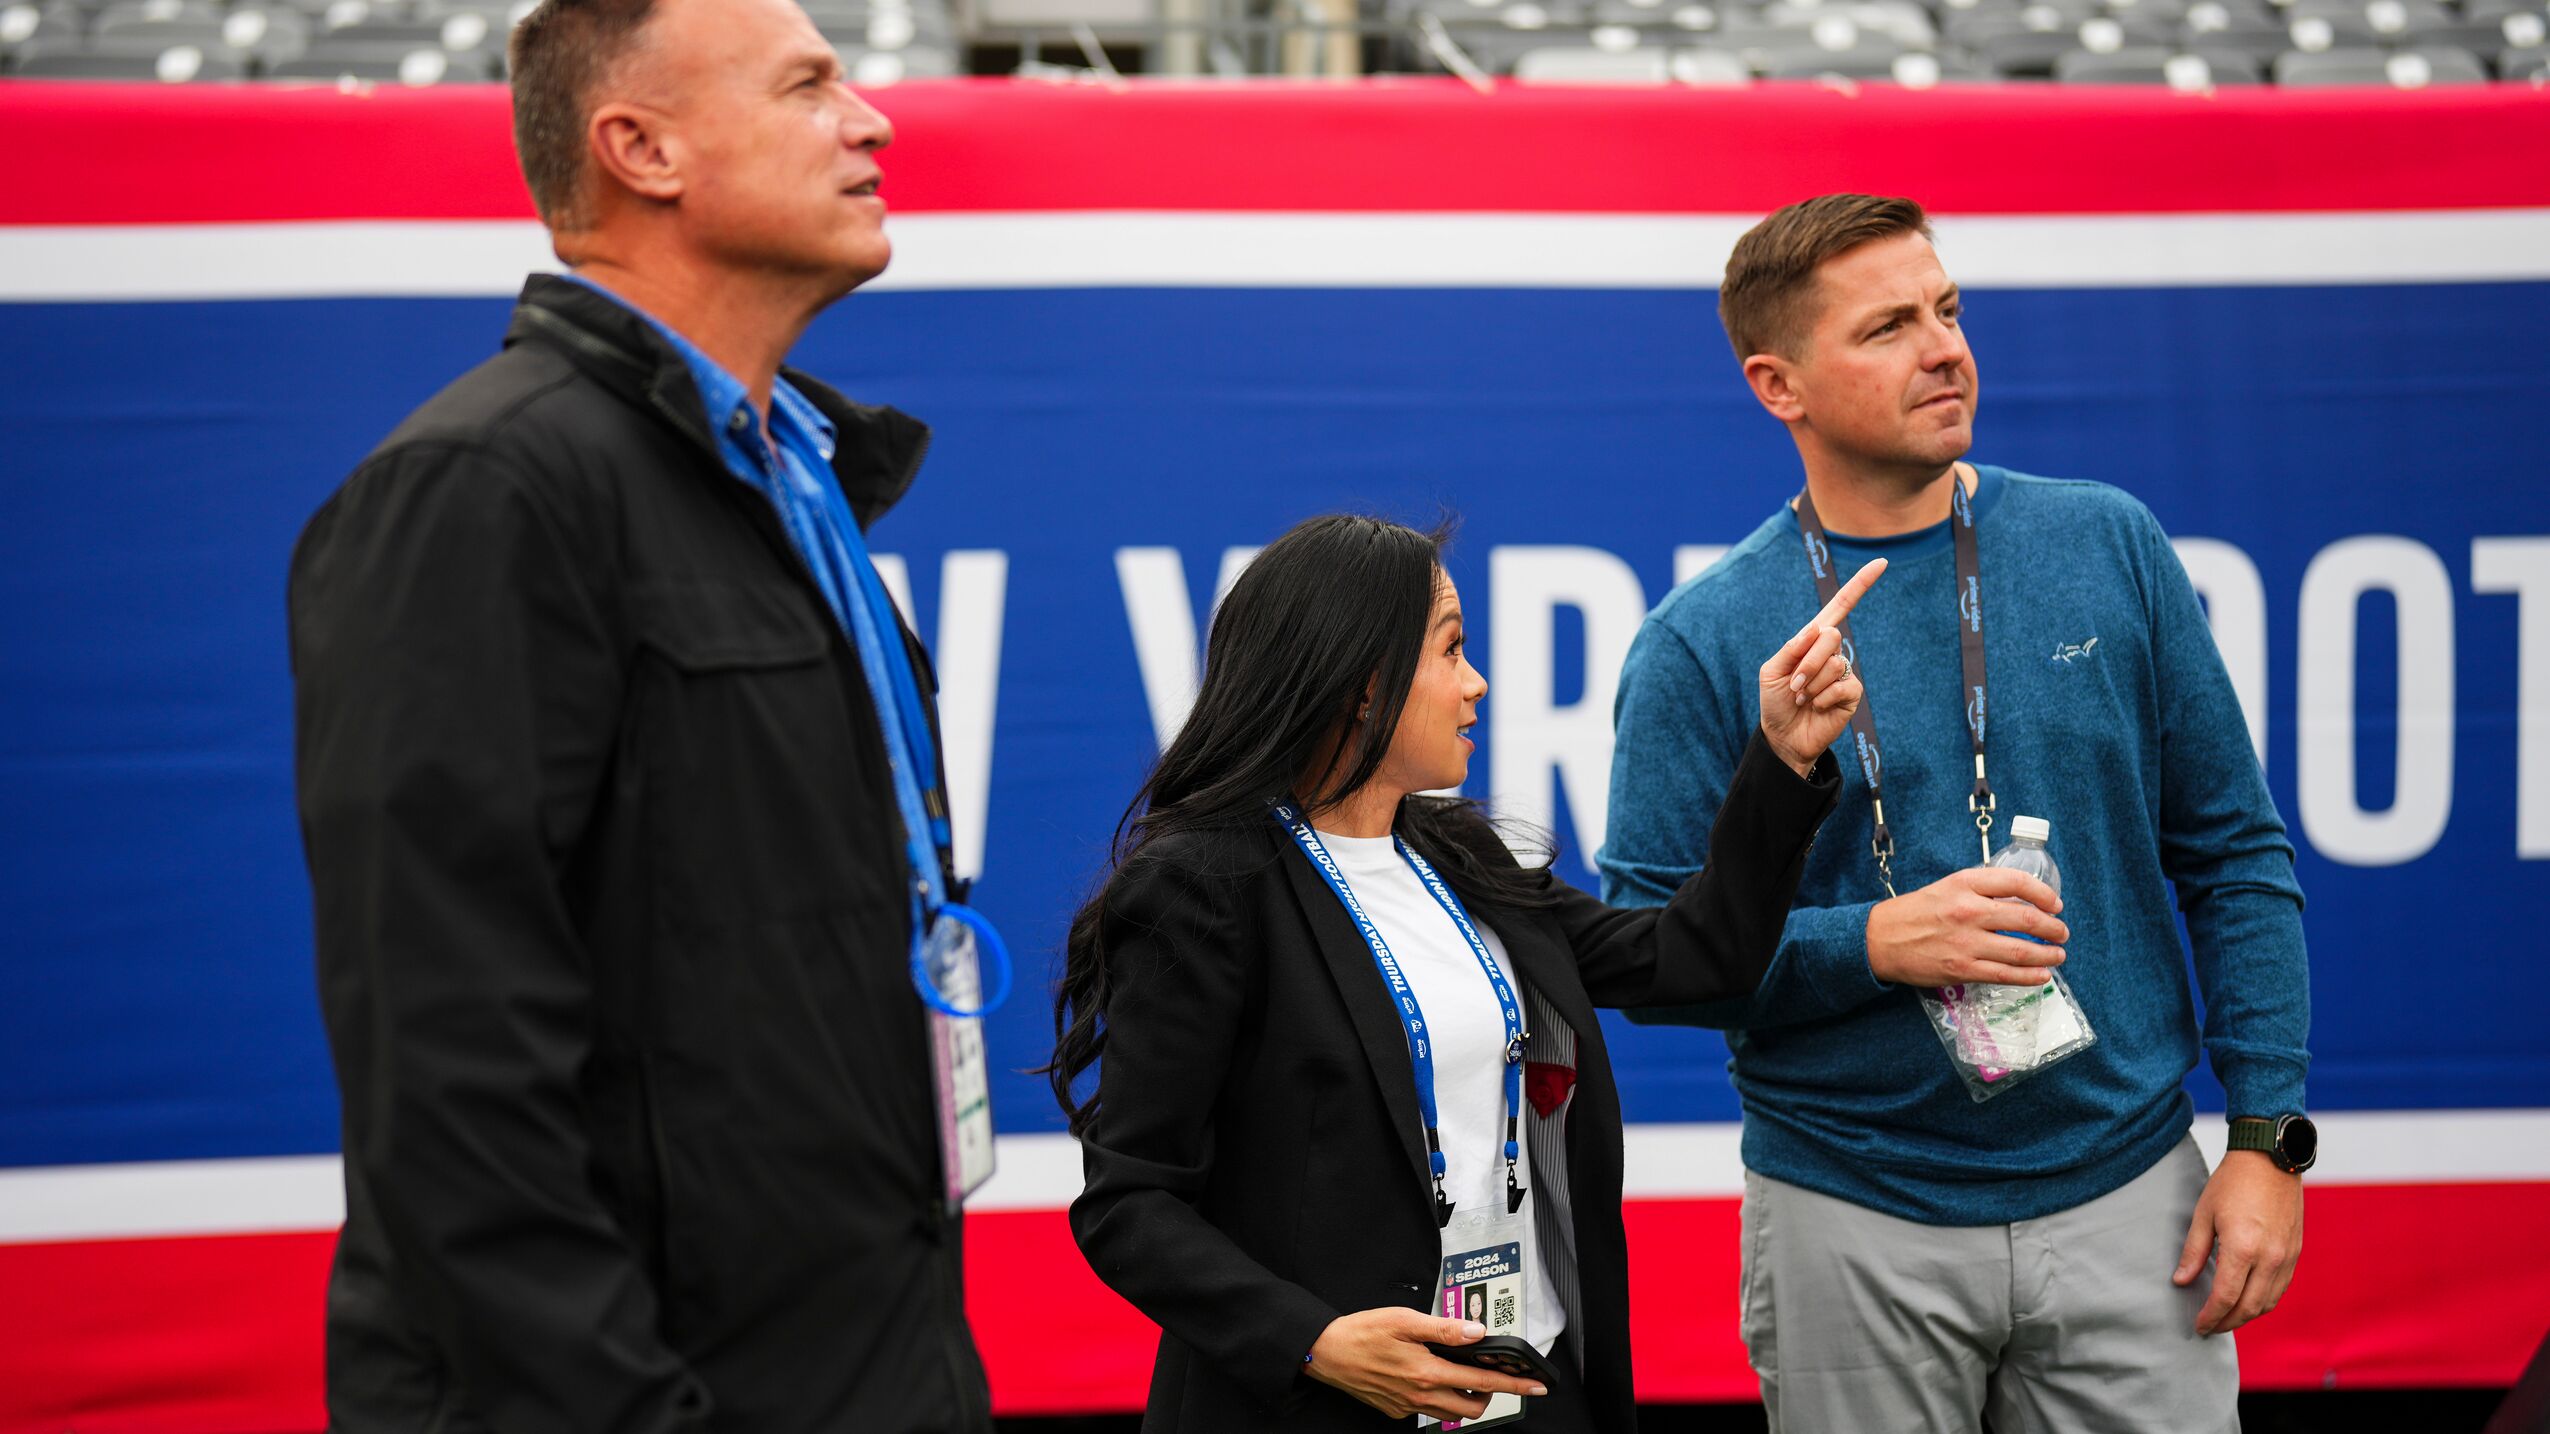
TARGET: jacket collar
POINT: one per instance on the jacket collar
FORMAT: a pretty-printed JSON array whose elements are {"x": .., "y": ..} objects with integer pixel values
[{"x": 880, "y": 449}]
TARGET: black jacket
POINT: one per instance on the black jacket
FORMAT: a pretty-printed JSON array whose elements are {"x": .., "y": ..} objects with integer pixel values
[
  {"x": 1256, "y": 1165},
  {"x": 639, "y": 1129}
]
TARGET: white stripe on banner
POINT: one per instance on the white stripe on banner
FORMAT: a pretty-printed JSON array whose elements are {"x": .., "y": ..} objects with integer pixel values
[
  {"x": 439, "y": 258},
  {"x": 1042, "y": 1172}
]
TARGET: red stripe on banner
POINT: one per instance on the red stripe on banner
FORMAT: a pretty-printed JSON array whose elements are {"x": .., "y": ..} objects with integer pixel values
[
  {"x": 105, "y": 154},
  {"x": 195, "y": 1336},
  {"x": 1055, "y": 1340},
  {"x": 2400, "y": 1287}
]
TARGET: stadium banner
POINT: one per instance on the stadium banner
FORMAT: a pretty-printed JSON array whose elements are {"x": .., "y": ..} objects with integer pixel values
[{"x": 1153, "y": 327}]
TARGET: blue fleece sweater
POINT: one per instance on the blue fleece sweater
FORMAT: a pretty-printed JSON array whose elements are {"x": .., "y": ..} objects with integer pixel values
[{"x": 2112, "y": 718}]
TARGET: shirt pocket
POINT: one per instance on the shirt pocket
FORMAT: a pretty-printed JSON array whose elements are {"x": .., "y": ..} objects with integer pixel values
[{"x": 755, "y": 759}]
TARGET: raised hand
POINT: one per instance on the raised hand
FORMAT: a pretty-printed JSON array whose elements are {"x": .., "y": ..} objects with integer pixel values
[
  {"x": 1380, "y": 1357},
  {"x": 1809, "y": 690}
]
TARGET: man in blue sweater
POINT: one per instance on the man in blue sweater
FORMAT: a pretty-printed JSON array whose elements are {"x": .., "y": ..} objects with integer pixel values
[{"x": 1917, "y": 1256}]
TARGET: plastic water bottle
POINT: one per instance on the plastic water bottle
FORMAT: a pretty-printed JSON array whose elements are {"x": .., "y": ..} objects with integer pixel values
[
  {"x": 2026, "y": 852},
  {"x": 2003, "y": 1018}
]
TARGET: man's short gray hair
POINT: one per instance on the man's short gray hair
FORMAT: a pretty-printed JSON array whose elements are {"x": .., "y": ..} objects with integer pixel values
[{"x": 560, "y": 54}]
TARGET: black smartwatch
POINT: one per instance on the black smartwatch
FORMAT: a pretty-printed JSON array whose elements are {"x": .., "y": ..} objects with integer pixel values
[{"x": 2291, "y": 1141}]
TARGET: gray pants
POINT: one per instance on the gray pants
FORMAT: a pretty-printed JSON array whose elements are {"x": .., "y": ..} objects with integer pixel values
[{"x": 1860, "y": 1323}]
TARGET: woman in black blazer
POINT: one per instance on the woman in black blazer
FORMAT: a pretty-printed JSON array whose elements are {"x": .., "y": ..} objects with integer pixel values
[{"x": 1259, "y": 1178}]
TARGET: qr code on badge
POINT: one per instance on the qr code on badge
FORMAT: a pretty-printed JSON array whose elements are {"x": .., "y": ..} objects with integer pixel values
[{"x": 1504, "y": 1308}]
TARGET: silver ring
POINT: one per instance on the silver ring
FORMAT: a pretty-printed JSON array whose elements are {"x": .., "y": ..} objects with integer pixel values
[{"x": 1846, "y": 667}]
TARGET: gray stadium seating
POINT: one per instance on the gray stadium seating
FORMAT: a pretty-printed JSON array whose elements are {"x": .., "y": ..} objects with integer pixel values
[
  {"x": 426, "y": 66},
  {"x": 2312, "y": 34},
  {"x": 176, "y": 65},
  {"x": 1709, "y": 68},
  {"x": 2187, "y": 43},
  {"x": 1590, "y": 65},
  {"x": 2156, "y": 66},
  {"x": 2410, "y": 69},
  {"x": 26, "y": 27},
  {"x": 2225, "y": 27},
  {"x": 1871, "y": 60}
]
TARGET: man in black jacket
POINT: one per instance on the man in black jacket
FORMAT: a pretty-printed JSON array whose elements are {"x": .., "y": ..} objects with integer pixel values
[{"x": 614, "y": 896}]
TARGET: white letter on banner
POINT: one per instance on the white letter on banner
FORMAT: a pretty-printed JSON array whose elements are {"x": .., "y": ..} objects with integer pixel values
[
  {"x": 973, "y": 589},
  {"x": 1692, "y": 559},
  {"x": 2522, "y": 566},
  {"x": 1528, "y": 732},
  {"x": 2325, "y": 753},
  {"x": 1165, "y": 645},
  {"x": 2236, "y": 609}
]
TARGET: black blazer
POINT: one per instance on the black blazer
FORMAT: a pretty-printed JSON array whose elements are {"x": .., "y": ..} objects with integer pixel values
[{"x": 1255, "y": 1167}]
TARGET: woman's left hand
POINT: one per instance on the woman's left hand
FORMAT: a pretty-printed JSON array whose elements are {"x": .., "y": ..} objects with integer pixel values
[{"x": 1809, "y": 689}]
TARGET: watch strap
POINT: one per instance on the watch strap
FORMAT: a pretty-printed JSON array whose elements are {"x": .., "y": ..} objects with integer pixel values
[{"x": 2253, "y": 1132}]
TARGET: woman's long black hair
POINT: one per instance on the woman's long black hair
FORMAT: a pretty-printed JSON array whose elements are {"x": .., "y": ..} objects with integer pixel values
[{"x": 1336, "y": 607}]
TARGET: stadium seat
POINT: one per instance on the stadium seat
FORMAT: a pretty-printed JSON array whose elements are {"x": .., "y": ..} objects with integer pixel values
[
  {"x": 500, "y": 15},
  {"x": 1700, "y": 18},
  {"x": 1497, "y": 39},
  {"x": 2312, "y": 34},
  {"x": 2412, "y": 69},
  {"x": 394, "y": 35},
  {"x": 128, "y": 13},
  {"x": 25, "y": 27},
  {"x": 428, "y": 66},
  {"x": 1899, "y": 20},
  {"x": 2029, "y": 42},
  {"x": 1871, "y": 60},
  {"x": 2156, "y": 66},
  {"x": 1592, "y": 65},
  {"x": 2235, "y": 27},
  {"x": 2167, "y": 13},
  {"x": 2213, "y": 16},
  {"x": 337, "y": 14},
  {"x": 1710, "y": 69},
  {"x": 265, "y": 35},
  {"x": 2531, "y": 62}
]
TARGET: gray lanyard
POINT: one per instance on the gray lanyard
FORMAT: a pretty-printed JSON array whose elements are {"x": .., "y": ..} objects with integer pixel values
[{"x": 1872, "y": 763}]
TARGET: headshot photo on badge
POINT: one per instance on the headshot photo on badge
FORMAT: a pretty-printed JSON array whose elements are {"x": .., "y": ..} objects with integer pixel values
[{"x": 1351, "y": 1097}]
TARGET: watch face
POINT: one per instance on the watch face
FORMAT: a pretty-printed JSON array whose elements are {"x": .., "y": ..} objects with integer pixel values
[{"x": 2298, "y": 1140}]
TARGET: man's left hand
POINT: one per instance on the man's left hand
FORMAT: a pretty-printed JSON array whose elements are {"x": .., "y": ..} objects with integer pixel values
[{"x": 2250, "y": 1219}]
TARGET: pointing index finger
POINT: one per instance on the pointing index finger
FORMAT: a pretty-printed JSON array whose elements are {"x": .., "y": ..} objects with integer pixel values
[{"x": 1848, "y": 598}]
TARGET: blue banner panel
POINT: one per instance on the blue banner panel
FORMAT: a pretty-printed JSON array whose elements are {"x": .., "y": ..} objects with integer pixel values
[{"x": 156, "y": 989}]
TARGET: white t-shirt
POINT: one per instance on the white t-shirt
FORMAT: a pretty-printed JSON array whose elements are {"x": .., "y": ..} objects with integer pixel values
[{"x": 1468, "y": 1026}]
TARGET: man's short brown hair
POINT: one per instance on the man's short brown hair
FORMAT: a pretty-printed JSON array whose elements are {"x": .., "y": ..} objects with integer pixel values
[
  {"x": 560, "y": 54},
  {"x": 1768, "y": 299}
]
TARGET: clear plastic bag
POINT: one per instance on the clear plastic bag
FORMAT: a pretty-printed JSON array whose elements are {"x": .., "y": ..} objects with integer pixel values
[{"x": 1998, "y": 1036}]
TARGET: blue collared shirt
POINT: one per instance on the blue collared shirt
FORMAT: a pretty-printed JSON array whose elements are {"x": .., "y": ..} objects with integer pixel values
[{"x": 794, "y": 471}]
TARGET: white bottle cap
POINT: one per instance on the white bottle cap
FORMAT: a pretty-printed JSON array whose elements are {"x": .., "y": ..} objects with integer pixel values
[{"x": 2031, "y": 828}]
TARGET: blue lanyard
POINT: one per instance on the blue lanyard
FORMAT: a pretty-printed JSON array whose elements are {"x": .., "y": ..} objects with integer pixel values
[
  {"x": 1411, "y": 1016},
  {"x": 911, "y": 754}
]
